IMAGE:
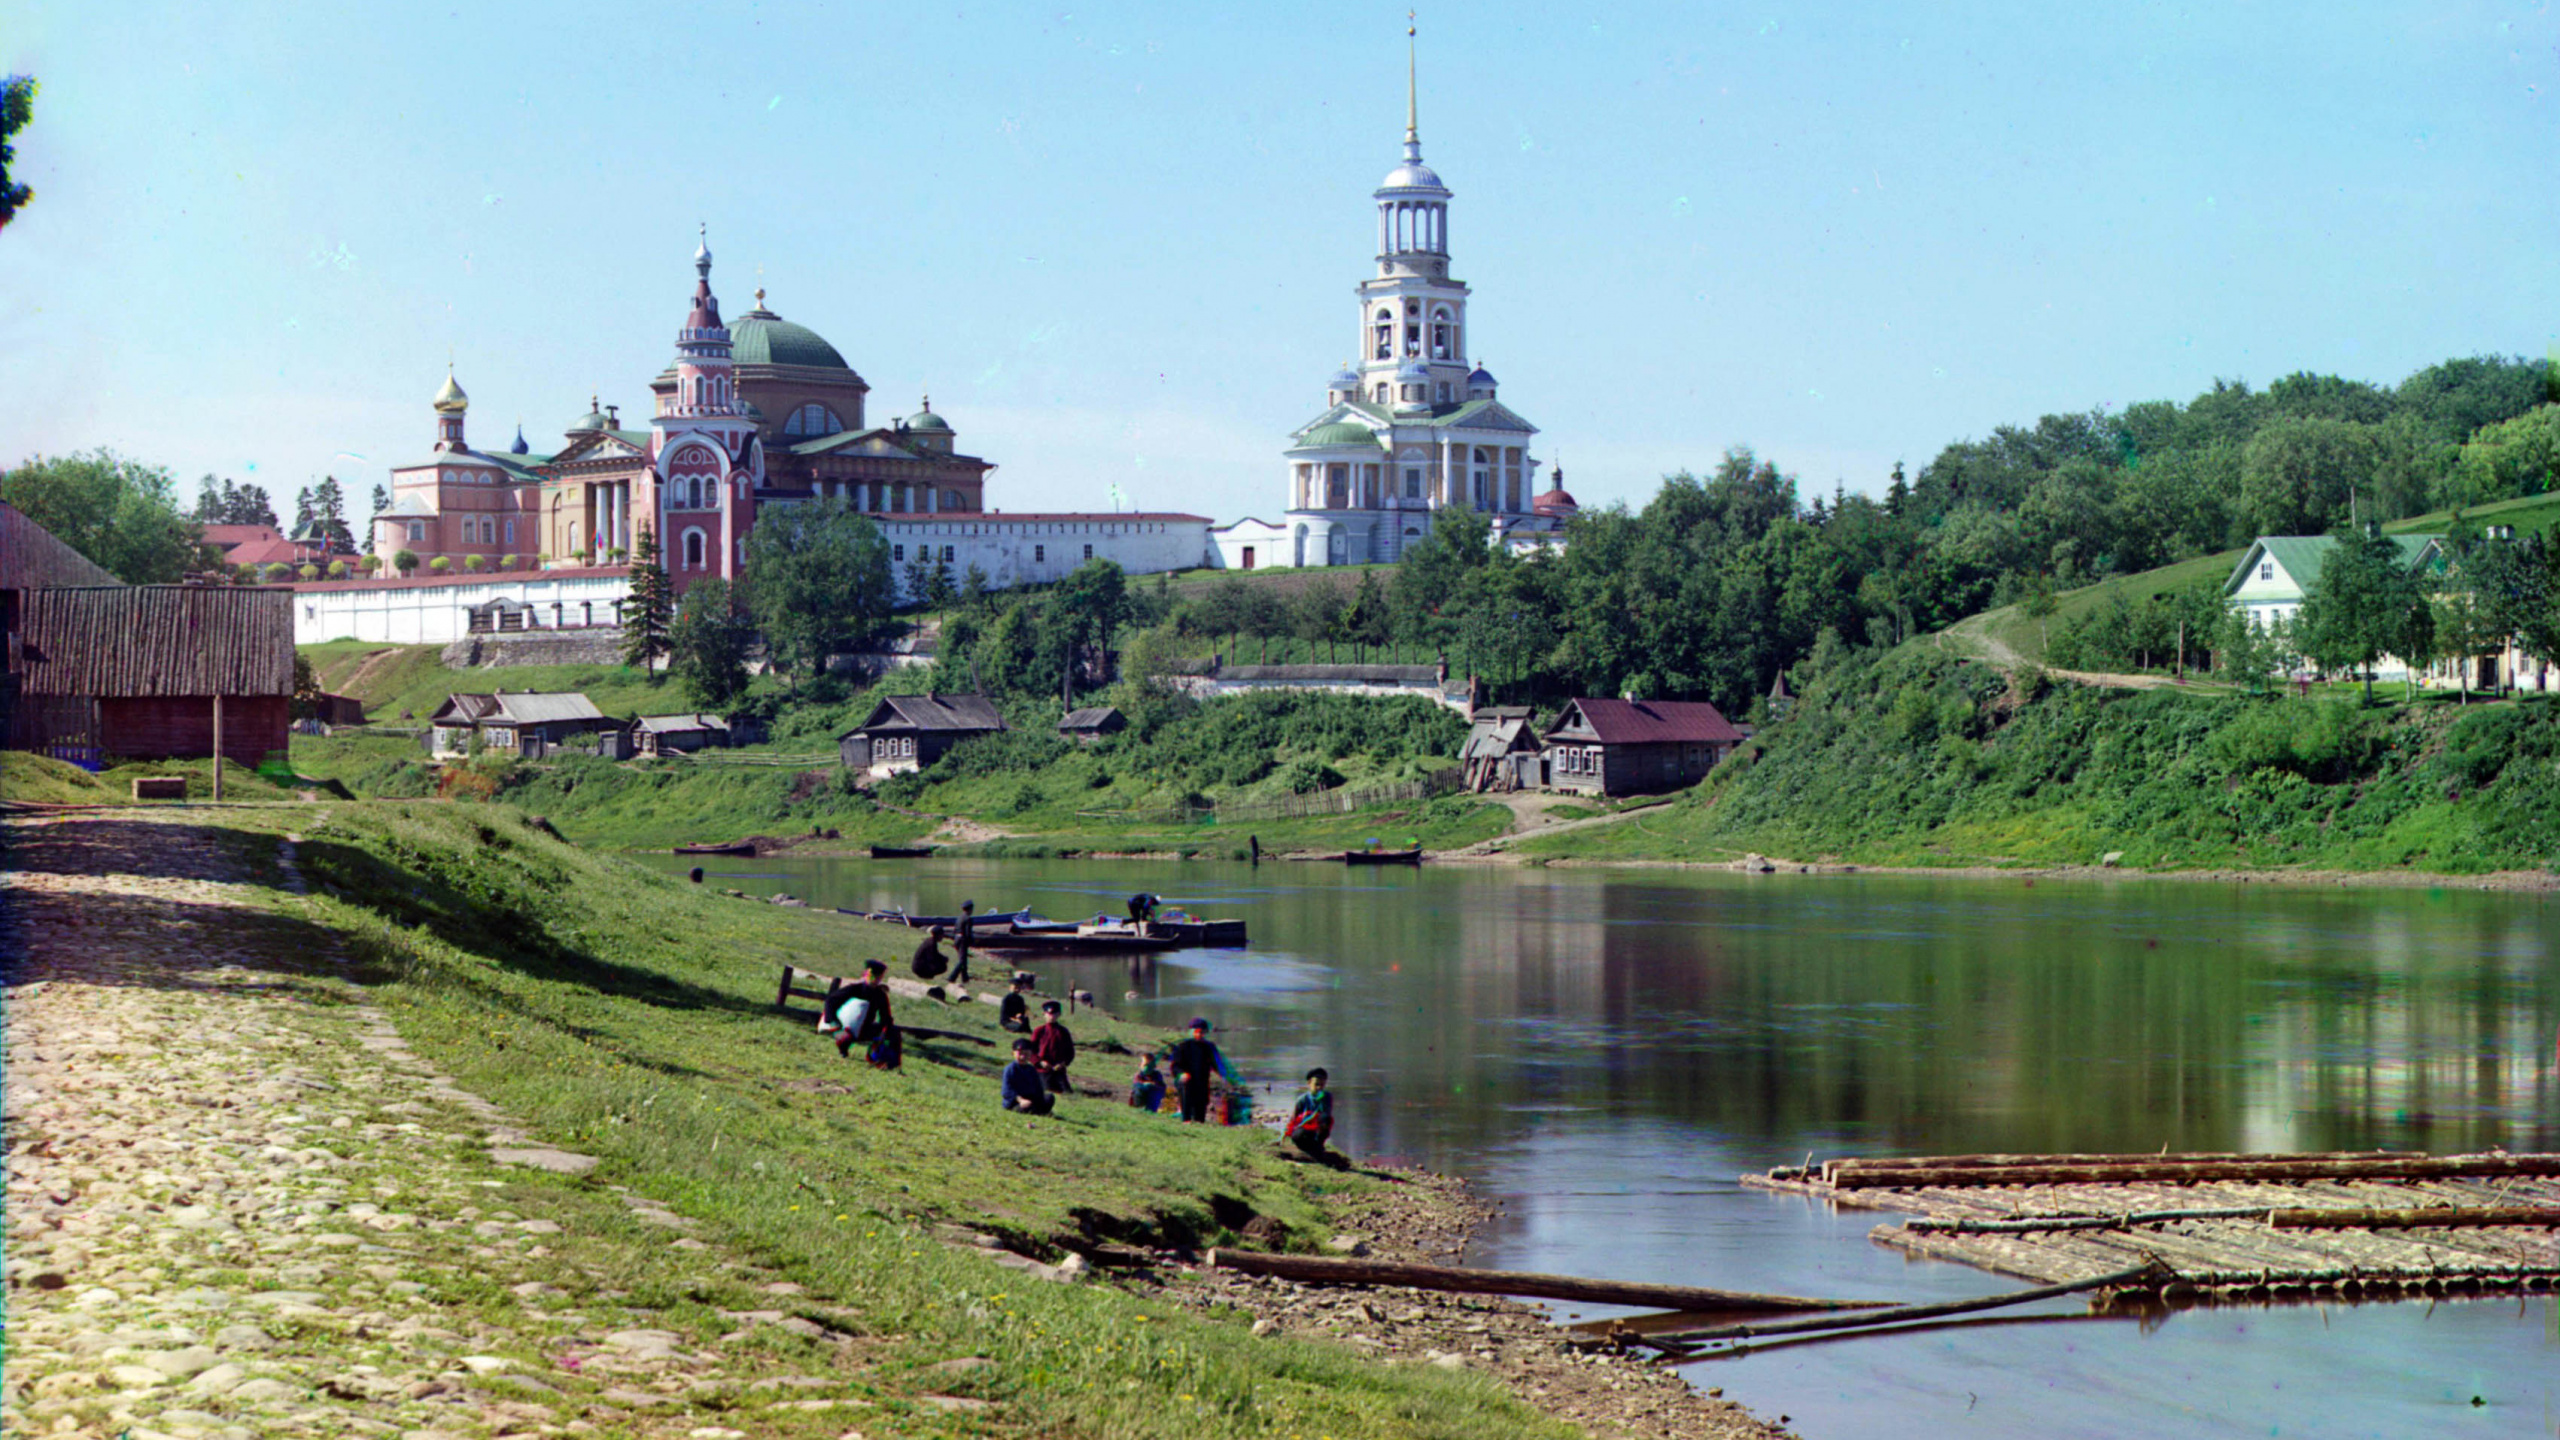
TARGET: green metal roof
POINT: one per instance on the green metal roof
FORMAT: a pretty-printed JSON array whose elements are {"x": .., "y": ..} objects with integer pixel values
[
  {"x": 761, "y": 337},
  {"x": 2302, "y": 556},
  {"x": 1340, "y": 432}
]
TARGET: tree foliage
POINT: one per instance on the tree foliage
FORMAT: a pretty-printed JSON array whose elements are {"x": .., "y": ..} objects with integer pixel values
[
  {"x": 120, "y": 513},
  {"x": 17, "y": 107},
  {"x": 647, "y": 612},
  {"x": 822, "y": 580},
  {"x": 2359, "y": 607},
  {"x": 233, "y": 504},
  {"x": 708, "y": 644}
]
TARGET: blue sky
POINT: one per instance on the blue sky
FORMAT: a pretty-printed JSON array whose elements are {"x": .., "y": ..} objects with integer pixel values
[{"x": 1117, "y": 242}]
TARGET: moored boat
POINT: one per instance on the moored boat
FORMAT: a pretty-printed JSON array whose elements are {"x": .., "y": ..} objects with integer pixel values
[
  {"x": 734, "y": 847},
  {"x": 1383, "y": 857},
  {"x": 901, "y": 852}
]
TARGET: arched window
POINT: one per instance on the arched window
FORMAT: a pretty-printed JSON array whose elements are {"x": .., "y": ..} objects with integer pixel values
[
  {"x": 693, "y": 549},
  {"x": 1440, "y": 333},
  {"x": 1386, "y": 331},
  {"x": 812, "y": 420}
]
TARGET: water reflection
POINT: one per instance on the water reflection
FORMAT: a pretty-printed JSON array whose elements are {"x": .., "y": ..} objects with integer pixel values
[{"x": 1608, "y": 1051}]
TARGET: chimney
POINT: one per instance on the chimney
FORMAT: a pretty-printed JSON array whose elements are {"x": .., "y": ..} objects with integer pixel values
[{"x": 613, "y": 417}]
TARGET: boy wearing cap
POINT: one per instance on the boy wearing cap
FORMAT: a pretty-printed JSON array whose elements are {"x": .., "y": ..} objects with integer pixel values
[
  {"x": 1023, "y": 1092},
  {"x": 1196, "y": 1062},
  {"x": 1052, "y": 1048},
  {"x": 1015, "y": 1013}
]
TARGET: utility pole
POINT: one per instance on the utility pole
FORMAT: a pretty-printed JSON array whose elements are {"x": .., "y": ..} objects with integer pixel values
[{"x": 217, "y": 746}]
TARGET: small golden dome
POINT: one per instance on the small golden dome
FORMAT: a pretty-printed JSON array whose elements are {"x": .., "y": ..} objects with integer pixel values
[{"x": 450, "y": 400}]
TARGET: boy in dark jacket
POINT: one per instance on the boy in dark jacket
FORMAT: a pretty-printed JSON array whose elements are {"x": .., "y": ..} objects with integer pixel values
[
  {"x": 1196, "y": 1063},
  {"x": 1023, "y": 1091},
  {"x": 1015, "y": 1013},
  {"x": 877, "y": 1022},
  {"x": 1052, "y": 1048},
  {"x": 1311, "y": 1123}
]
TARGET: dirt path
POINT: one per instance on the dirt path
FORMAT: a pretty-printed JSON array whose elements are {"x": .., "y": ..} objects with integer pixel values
[
  {"x": 240, "y": 1206},
  {"x": 1972, "y": 637},
  {"x": 1530, "y": 822}
]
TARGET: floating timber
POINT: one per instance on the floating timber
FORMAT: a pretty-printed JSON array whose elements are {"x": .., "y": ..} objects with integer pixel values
[
  {"x": 2226, "y": 1226},
  {"x": 1325, "y": 1271}
]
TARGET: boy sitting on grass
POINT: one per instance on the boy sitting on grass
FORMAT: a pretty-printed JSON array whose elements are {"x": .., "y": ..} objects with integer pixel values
[
  {"x": 1022, "y": 1088},
  {"x": 1311, "y": 1123}
]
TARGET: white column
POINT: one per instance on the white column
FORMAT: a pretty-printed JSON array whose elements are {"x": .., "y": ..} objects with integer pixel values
[{"x": 933, "y": 499}]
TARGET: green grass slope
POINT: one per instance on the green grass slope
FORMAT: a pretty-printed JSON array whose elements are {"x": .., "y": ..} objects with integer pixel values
[
  {"x": 392, "y": 679},
  {"x": 1913, "y": 757},
  {"x": 631, "y": 1018}
]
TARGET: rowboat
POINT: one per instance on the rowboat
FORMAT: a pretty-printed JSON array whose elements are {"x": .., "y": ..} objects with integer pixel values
[
  {"x": 901, "y": 852},
  {"x": 949, "y": 922},
  {"x": 1083, "y": 940},
  {"x": 1382, "y": 857},
  {"x": 734, "y": 847}
]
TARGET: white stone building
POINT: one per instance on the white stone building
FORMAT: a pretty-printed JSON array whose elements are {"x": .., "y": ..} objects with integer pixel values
[
  {"x": 437, "y": 610},
  {"x": 1412, "y": 427},
  {"x": 1038, "y": 548}
]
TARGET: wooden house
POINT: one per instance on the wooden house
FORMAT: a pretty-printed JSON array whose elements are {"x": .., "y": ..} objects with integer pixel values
[
  {"x": 909, "y": 732},
  {"x": 527, "y": 724},
  {"x": 1503, "y": 751},
  {"x": 1091, "y": 723},
  {"x": 678, "y": 734},
  {"x": 1635, "y": 747},
  {"x": 147, "y": 672}
]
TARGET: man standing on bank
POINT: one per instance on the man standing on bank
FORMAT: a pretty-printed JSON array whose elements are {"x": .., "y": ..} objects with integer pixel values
[{"x": 1196, "y": 1063}]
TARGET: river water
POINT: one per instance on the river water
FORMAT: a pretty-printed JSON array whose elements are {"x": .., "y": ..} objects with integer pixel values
[{"x": 1604, "y": 1052}]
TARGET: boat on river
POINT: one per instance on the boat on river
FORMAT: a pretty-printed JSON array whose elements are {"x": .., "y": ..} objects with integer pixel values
[
  {"x": 1383, "y": 857},
  {"x": 949, "y": 922},
  {"x": 1121, "y": 939},
  {"x": 901, "y": 852},
  {"x": 1183, "y": 929},
  {"x": 734, "y": 847}
]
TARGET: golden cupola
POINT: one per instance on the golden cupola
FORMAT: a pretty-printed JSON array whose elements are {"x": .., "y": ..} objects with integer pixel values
[{"x": 450, "y": 400}]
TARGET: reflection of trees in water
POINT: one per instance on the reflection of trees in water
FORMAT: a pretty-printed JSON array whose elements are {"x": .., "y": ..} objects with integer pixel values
[{"x": 1947, "y": 1016}]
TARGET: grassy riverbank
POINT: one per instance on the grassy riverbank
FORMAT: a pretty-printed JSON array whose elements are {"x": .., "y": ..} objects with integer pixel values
[
  {"x": 1911, "y": 757},
  {"x": 631, "y": 1018}
]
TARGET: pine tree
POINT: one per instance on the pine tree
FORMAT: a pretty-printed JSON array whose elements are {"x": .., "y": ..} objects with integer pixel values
[
  {"x": 381, "y": 502},
  {"x": 301, "y": 509},
  {"x": 329, "y": 506},
  {"x": 646, "y": 615}
]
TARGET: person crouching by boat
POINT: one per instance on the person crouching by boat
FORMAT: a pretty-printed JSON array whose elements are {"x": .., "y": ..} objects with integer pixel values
[
  {"x": 1023, "y": 1090},
  {"x": 1142, "y": 910},
  {"x": 859, "y": 1011},
  {"x": 1196, "y": 1066},
  {"x": 1146, "y": 1088},
  {"x": 1052, "y": 1047},
  {"x": 929, "y": 962},
  {"x": 1311, "y": 1123},
  {"x": 1015, "y": 1013}
]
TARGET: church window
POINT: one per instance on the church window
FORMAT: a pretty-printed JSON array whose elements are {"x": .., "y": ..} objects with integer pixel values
[
  {"x": 1088, "y": 552},
  {"x": 812, "y": 419},
  {"x": 1039, "y": 554},
  {"x": 417, "y": 531},
  {"x": 1386, "y": 334},
  {"x": 947, "y": 554},
  {"x": 511, "y": 530},
  {"x": 1444, "y": 392},
  {"x": 1381, "y": 395},
  {"x": 1413, "y": 482},
  {"x": 1440, "y": 335},
  {"x": 898, "y": 552},
  {"x": 693, "y": 549}
]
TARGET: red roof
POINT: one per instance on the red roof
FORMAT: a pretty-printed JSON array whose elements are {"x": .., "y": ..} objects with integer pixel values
[
  {"x": 227, "y": 536},
  {"x": 1639, "y": 722},
  {"x": 278, "y": 551}
]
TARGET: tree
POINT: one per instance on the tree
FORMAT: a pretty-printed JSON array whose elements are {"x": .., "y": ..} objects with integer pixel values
[
  {"x": 1091, "y": 603},
  {"x": 1369, "y": 620},
  {"x": 405, "y": 561},
  {"x": 329, "y": 507},
  {"x": 2358, "y": 606},
  {"x": 2298, "y": 473},
  {"x": 17, "y": 107},
  {"x": 301, "y": 510},
  {"x": 381, "y": 502},
  {"x": 1316, "y": 615},
  {"x": 708, "y": 644},
  {"x": 646, "y": 612},
  {"x": 821, "y": 580},
  {"x": 120, "y": 513}
]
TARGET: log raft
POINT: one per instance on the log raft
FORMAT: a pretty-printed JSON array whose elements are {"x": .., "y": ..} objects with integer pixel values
[
  {"x": 1691, "y": 1298},
  {"x": 2221, "y": 1226}
]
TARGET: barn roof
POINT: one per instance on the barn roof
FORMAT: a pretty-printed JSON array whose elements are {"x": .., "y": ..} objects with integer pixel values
[
  {"x": 32, "y": 556},
  {"x": 1091, "y": 717},
  {"x": 679, "y": 724},
  {"x": 523, "y": 707},
  {"x": 1639, "y": 722},
  {"x": 138, "y": 641}
]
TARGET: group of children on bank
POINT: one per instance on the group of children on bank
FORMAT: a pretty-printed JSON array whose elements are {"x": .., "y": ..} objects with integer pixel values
[{"x": 859, "y": 1013}]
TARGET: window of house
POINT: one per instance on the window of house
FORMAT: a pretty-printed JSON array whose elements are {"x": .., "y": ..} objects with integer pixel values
[
  {"x": 1088, "y": 552},
  {"x": 2267, "y": 570},
  {"x": 947, "y": 554},
  {"x": 417, "y": 531},
  {"x": 1039, "y": 554},
  {"x": 1413, "y": 482},
  {"x": 897, "y": 552}
]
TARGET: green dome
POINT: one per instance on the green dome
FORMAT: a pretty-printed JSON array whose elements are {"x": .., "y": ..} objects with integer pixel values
[
  {"x": 927, "y": 420},
  {"x": 1340, "y": 432},
  {"x": 761, "y": 337}
]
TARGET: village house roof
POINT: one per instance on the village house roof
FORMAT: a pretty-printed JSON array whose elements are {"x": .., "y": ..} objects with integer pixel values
[
  {"x": 948, "y": 714},
  {"x": 140, "y": 641},
  {"x": 1646, "y": 722},
  {"x": 2303, "y": 556},
  {"x": 1497, "y": 734},
  {"x": 681, "y": 724},
  {"x": 1091, "y": 717},
  {"x": 32, "y": 556},
  {"x": 525, "y": 707}
]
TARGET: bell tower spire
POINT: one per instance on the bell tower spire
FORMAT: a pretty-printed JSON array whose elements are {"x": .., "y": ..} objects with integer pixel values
[{"x": 1412, "y": 133}]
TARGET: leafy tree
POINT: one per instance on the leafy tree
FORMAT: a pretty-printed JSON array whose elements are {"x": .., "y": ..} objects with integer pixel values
[
  {"x": 647, "y": 610},
  {"x": 1092, "y": 602},
  {"x": 1368, "y": 622},
  {"x": 17, "y": 107},
  {"x": 821, "y": 580},
  {"x": 120, "y": 513},
  {"x": 405, "y": 561},
  {"x": 2358, "y": 606},
  {"x": 2298, "y": 472},
  {"x": 1315, "y": 615},
  {"x": 708, "y": 644},
  {"x": 381, "y": 502}
]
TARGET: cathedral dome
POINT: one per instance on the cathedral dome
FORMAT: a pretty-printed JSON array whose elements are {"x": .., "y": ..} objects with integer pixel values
[
  {"x": 1413, "y": 175},
  {"x": 1555, "y": 501},
  {"x": 1345, "y": 378},
  {"x": 925, "y": 419},
  {"x": 761, "y": 337},
  {"x": 1414, "y": 372},
  {"x": 450, "y": 400},
  {"x": 1481, "y": 376},
  {"x": 593, "y": 420},
  {"x": 1340, "y": 432}
]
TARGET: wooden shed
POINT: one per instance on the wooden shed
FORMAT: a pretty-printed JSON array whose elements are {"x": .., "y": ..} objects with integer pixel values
[
  {"x": 1635, "y": 747},
  {"x": 678, "y": 734},
  {"x": 909, "y": 732},
  {"x": 1092, "y": 723},
  {"x": 527, "y": 723},
  {"x": 137, "y": 672}
]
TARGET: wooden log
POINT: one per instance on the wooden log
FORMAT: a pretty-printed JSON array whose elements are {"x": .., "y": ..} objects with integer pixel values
[
  {"x": 2444, "y": 1217},
  {"x": 1976, "y": 1162},
  {"x": 2430, "y": 1167},
  {"x": 1324, "y": 1271},
  {"x": 2146, "y": 1271},
  {"x": 2031, "y": 1224}
]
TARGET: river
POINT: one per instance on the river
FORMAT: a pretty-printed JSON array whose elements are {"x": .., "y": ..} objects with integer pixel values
[{"x": 1604, "y": 1052}]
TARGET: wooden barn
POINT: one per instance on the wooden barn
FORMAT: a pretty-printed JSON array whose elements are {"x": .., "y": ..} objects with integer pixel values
[
  {"x": 1636, "y": 747},
  {"x": 1091, "y": 723},
  {"x": 909, "y": 732},
  {"x": 526, "y": 723},
  {"x": 149, "y": 672},
  {"x": 678, "y": 734},
  {"x": 1502, "y": 751}
]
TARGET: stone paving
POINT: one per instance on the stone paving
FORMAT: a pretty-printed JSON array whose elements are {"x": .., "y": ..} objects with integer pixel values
[{"x": 239, "y": 1206}]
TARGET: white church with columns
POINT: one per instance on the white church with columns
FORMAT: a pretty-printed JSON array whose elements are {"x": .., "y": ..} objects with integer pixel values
[{"x": 1412, "y": 427}]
